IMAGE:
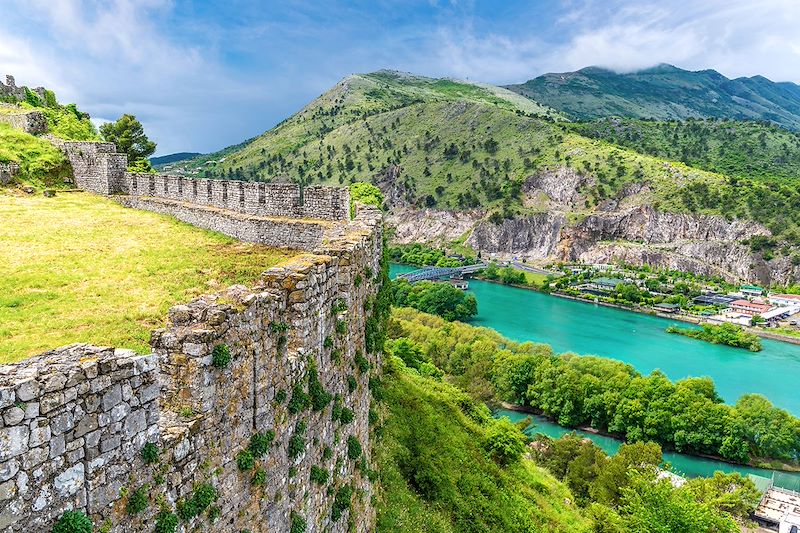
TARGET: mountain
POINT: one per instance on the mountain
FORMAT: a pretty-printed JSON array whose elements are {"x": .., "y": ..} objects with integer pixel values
[
  {"x": 173, "y": 158},
  {"x": 665, "y": 92},
  {"x": 483, "y": 169}
]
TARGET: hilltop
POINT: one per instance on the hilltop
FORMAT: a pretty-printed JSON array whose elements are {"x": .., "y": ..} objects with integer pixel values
[{"x": 665, "y": 92}]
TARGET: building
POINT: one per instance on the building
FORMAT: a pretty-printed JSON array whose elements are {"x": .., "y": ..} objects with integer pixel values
[
  {"x": 667, "y": 308},
  {"x": 605, "y": 284},
  {"x": 746, "y": 307},
  {"x": 751, "y": 290},
  {"x": 713, "y": 299},
  {"x": 779, "y": 510},
  {"x": 784, "y": 300}
]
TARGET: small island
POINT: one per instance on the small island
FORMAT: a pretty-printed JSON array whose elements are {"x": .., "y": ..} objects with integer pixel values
[{"x": 728, "y": 334}]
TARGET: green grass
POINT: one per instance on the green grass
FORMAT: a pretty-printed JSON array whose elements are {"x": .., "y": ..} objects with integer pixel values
[
  {"x": 436, "y": 477},
  {"x": 40, "y": 162},
  {"x": 80, "y": 268}
]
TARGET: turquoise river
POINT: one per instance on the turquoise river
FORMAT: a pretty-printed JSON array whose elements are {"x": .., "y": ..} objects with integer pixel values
[{"x": 640, "y": 340}]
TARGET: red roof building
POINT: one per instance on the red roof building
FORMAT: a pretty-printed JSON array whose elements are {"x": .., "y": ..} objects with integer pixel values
[{"x": 747, "y": 307}]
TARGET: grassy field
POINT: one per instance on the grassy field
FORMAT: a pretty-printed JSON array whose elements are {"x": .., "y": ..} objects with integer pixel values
[{"x": 79, "y": 268}]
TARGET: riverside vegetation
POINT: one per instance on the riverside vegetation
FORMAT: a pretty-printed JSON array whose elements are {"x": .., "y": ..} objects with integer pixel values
[
  {"x": 610, "y": 396},
  {"x": 727, "y": 334},
  {"x": 486, "y": 481}
]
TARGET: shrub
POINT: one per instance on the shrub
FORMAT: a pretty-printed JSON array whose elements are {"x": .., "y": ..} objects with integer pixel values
[
  {"x": 201, "y": 498},
  {"x": 319, "y": 397},
  {"x": 353, "y": 447},
  {"x": 292, "y": 471},
  {"x": 357, "y": 281},
  {"x": 137, "y": 501},
  {"x": 259, "y": 477},
  {"x": 319, "y": 475},
  {"x": 327, "y": 343},
  {"x": 150, "y": 453},
  {"x": 336, "y": 356},
  {"x": 280, "y": 396},
  {"x": 298, "y": 523},
  {"x": 342, "y": 502},
  {"x": 245, "y": 460},
  {"x": 361, "y": 362},
  {"x": 346, "y": 415},
  {"x": 352, "y": 384},
  {"x": 341, "y": 327},
  {"x": 299, "y": 400},
  {"x": 504, "y": 441},
  {"x": 166, "y": 522},
  {"x": 220, "y": 356},
  {"x": 279, "y": 327},
  {"x": 73, "y": 522},
  {"x": 296, "y": 446},
  {"x": 214, "y": 513},
  {"x": 260, "y": 443},
  {"x": 327, "y": 453}
]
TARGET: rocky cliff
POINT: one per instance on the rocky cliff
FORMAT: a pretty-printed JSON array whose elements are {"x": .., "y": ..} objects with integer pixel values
[{"x": 625, "y": 228}]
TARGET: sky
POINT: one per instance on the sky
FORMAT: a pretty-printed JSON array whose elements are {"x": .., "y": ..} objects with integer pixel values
[{"x": 203, "y": 75}]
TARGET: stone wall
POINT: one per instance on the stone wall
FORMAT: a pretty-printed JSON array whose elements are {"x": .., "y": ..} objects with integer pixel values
[
  {"x": 9, "y": 88},
  {"x": 96, "y": 166},
  {"x": 7, "y": 172},
  {"x": 33, "y": 122},
  {"x": 73, "y": 422},
  {"x": 252, "y": 198},
  {"x": 275, "y": 232}
]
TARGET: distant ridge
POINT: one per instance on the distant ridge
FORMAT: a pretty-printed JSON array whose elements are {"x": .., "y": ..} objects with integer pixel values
[
  {"x": 665, "y": 92},
  {"x": 173, "y": 158}
]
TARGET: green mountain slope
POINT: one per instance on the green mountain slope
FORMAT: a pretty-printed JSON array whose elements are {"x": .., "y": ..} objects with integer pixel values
[
  {"x": 436, "y": 476},
  {"x": 438, "y": 143},
  {"x": 735, "y": 148},
  {"x": 665, "y": 93}
]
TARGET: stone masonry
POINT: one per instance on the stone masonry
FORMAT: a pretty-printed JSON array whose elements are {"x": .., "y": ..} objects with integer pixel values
[
  {"x": 7, "y": 172},
  {"x": 29, "y": 121},
  {"x": 74, "y": 421}
]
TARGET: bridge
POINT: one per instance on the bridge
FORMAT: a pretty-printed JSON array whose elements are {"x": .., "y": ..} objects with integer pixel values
[{"x": 430, "y": 273}]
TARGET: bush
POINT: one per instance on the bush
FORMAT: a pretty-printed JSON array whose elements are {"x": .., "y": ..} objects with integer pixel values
[
  {"x": 150, "y": 453},
  {"x": 201, "y": 498},
  {"x": 259, "y": 477},
  {"x": 260, "y": 443},
  {"x": 166, "y": 522},
  {"x": 280, "y": 396},
  {"x": 299, "y": 400},
  {"x": 504, "y": 441},
  {"x": 298, "y": 523},
  {"x": 73, "y": 522},
  {"x": 346, "y": 415},
  {"x": 137, "y": 501},
  {"x": 353, "y": 447},
  {"x": 220, "y": 356},
  {"x": 352, "y": 384},
  {"x": 319, "y": 397},
  {"x": 245, "y": 460},
  {"x": 361, "y": 362},
  {"x": 342, "y": 502},
  {"x": 319, "y": 475}
]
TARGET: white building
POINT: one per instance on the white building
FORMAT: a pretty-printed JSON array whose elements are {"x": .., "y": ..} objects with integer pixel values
[{"x": 784, "y": 300}]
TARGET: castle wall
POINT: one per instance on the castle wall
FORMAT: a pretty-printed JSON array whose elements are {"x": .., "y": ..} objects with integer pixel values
[
  {"x": 96, "y": 166},
  {"x": 75, "y": 420},
  {"x": 275, "y": 232},
  {"x": 7, "y": 172},
  {"x": 253, "y": 198}
]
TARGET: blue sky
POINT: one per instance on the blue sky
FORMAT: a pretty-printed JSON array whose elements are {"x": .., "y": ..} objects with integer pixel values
[{"x": 201, "y": 75}]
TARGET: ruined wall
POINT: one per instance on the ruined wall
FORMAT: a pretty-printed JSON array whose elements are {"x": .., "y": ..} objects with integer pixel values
[
  {"x": 7, "y": 172},
  {"x": 252, "y": 198},
  {"x": 75, "y": 421},
  {"x": 32, "y": 122},
  {"x": 9, "y": 88}
]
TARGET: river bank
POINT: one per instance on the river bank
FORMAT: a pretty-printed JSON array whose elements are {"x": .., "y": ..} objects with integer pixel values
[
  {"x": 644, "y": 310},
  {"x": 780, "y": 467}
]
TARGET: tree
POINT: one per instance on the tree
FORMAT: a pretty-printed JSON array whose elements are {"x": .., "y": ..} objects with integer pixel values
[
  {"x": 366, "y": 193},
  {"x": 504, "y": 442},
  {"x": 128, "y": 134}
]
